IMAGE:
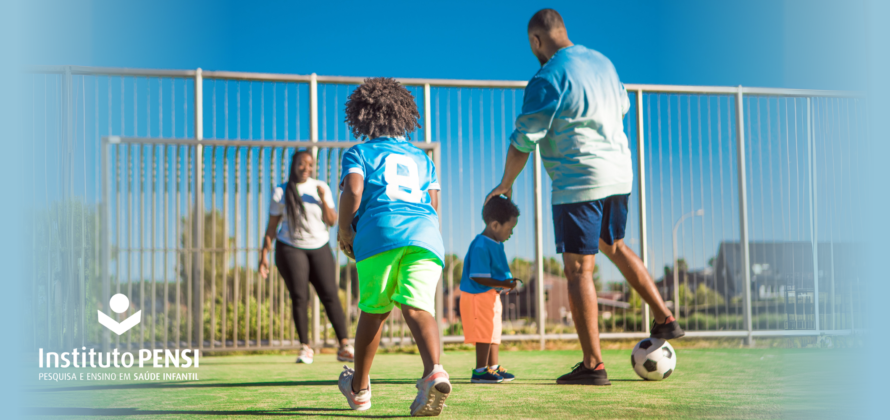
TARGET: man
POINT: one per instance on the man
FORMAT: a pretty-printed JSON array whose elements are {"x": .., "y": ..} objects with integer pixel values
[{"x": 572, "y": 110}]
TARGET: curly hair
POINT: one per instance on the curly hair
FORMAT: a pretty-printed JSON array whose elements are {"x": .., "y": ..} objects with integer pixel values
[
  {"x": 380, "y": 107},
  {"x": 499, "y": 209}
]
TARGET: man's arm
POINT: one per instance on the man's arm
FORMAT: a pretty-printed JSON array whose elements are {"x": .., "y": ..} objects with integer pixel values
[
  {"x": 515, "y": 162},
  {"x": 539, "y": 106}
]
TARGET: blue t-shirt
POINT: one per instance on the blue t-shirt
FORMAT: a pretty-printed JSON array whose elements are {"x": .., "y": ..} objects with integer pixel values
[
  {"x": 487, "y": 259},
  {"x": 395, "y": 210}
]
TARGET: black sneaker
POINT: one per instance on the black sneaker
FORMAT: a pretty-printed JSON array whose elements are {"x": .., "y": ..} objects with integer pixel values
[
  {"x": 667, "y": 331},
  {"x": 504, "y": 374},
  {"x": 487, "y": 376},
  {"x": 581, "y": 375}
]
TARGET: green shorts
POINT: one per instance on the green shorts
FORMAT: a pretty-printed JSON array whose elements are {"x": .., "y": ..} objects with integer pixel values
[{"x": 403, "y": 276}]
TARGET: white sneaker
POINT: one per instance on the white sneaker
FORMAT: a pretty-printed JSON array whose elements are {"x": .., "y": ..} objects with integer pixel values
[
  {"x": 346, "y": 354},
  {"x": 360, "y": 401},
  {"x": 432, "y": 391},
  {"x": 306, "y": 355}
]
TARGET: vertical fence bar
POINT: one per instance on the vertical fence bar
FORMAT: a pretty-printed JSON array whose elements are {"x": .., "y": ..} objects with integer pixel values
[
  {"x": 313, "y": 137},
  {"x": 539, "y": 246},
  {"x": 743, "y": 211},
  {"x": 811, "y": 160},
  {"x": 236, "y": 286},
  {"x": 225, "y": 244},
  {"x": 641, "y": 185},
  {"x": 198, "y": 218},
  {"x": 106, "y": 235},
  {"x": 213, "y": 243}
]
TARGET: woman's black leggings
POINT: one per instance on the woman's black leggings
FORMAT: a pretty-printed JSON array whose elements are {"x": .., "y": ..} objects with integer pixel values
[{"x": 299, "y": 267}]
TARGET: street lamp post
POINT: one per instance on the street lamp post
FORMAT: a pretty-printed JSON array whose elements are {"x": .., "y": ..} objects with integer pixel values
[{"x": 676, "y": 270}]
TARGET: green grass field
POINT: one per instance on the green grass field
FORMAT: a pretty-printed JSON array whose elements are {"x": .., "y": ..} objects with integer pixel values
[{"x": 708, "y": 383}]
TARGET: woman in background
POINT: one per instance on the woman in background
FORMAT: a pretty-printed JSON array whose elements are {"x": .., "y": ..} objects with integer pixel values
[{"x": 304, "y": 208}]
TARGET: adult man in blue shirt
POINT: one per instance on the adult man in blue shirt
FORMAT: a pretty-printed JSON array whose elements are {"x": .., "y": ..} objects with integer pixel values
[{"x": 572, "y": 110}]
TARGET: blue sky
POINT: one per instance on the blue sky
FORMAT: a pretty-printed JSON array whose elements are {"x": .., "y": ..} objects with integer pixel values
[{"x": 802, "y": 44}]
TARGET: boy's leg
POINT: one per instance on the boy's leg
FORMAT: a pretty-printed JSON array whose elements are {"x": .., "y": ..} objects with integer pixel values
[
  {"x": 632, "y": 268},
  {"x": 492, "y": 355},
  {"x": 376, "y": 276},
  {"x": 582, "y": 301},
  {"x": 418, "y": 277},
  {"x": 483, "y": 354},
  {"x": 419, "y": 271},
  {"x": 367, "y": 339},
  {"x": 426, "y": 334}
]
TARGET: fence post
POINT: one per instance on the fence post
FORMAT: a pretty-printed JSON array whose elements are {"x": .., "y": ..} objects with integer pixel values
[
  {"x": 641, "y": 187},
  {"x": 198, "y": 218},
  {"x": 814, "y": 214},
  {"x": 313, "y": 137},
  {"x": 743, "y": 211},
  {"x": 539, "y": 247}
]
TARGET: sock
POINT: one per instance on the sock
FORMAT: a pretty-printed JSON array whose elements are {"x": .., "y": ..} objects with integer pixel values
[
  {"x": 669, "y": 320},
  {"x": 599, "y": 366},
  {"x": 480, "y": 370},
  {"x": 494, "y": 367}
]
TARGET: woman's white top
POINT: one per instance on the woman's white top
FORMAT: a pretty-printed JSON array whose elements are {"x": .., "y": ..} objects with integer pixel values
[{"x": 314, "y": 233}]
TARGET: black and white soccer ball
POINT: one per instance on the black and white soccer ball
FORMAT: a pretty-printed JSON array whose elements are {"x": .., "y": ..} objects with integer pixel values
[{"x": 653, "y": 359}]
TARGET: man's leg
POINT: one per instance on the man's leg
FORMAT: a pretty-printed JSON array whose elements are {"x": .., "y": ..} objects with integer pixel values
[
  {"x": 426, "y": 334},
  {"x": 367, "y": 338},
  {"x": 483, "y": 350},
  {"x": 582, "y": 300},
  {"x": 632, "y": 268}
]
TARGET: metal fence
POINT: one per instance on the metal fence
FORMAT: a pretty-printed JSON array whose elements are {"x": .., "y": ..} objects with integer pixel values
[{"x": 738, "y": 209}]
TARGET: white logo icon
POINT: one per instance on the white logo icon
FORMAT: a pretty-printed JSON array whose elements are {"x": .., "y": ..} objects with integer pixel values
[{"x": 119, "y": 304}]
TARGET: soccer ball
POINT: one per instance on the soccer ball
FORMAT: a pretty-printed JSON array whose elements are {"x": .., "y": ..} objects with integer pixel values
[{"x": 653, "y": 359}]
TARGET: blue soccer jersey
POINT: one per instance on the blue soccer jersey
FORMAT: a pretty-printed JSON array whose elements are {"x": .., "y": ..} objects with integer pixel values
[
  {"x": 395, "y": 210},
  {"x": 487, "y": 259}
]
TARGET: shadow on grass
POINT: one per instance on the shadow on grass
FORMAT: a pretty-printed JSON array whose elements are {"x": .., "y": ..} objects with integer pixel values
[
  {"x": 175, "y": 385},
  {"x": 294, "y": 411}
]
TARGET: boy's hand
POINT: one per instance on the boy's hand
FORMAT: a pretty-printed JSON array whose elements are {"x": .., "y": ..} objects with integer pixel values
[
  {"x": 345, "y": 237},
  {"x": 510, "y": 284}
]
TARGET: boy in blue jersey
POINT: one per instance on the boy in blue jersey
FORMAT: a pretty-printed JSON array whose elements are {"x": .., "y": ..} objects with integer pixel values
[
  {"x": 388, "y": 223},
  {"x": 486, "y": 272}
]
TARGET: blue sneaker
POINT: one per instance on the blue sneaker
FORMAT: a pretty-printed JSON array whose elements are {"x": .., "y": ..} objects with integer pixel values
[
  {"x": 503, "y": 374},
  {"x": 487, "y": 376}
]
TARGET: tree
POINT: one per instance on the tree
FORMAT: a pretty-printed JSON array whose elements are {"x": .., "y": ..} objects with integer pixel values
[
  {"x": 456, "y": 265},
  {"x": 681, "y": 264}
]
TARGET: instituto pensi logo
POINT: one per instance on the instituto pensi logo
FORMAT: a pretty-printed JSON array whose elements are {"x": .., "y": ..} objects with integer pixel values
[{"x": 119, "y": 303}]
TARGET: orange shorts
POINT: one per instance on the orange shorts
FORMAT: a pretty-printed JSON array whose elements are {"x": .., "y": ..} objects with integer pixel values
[{"x": 480, "y": 315}]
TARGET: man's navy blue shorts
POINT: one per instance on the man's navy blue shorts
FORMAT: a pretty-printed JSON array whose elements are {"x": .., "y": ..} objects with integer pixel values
[{"x": 578, "y": 227}]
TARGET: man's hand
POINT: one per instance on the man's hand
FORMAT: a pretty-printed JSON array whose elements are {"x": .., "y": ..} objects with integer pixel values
[
  {"x": 499, "y": 190},
  {"x": 345, "y": 237}
]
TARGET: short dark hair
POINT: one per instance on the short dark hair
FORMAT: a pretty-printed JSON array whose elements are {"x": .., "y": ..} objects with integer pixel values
[
  {"x": 546, "y": 20},
  {"x": 381, "y": 107},
  {"x": 499, "y": 209}
]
